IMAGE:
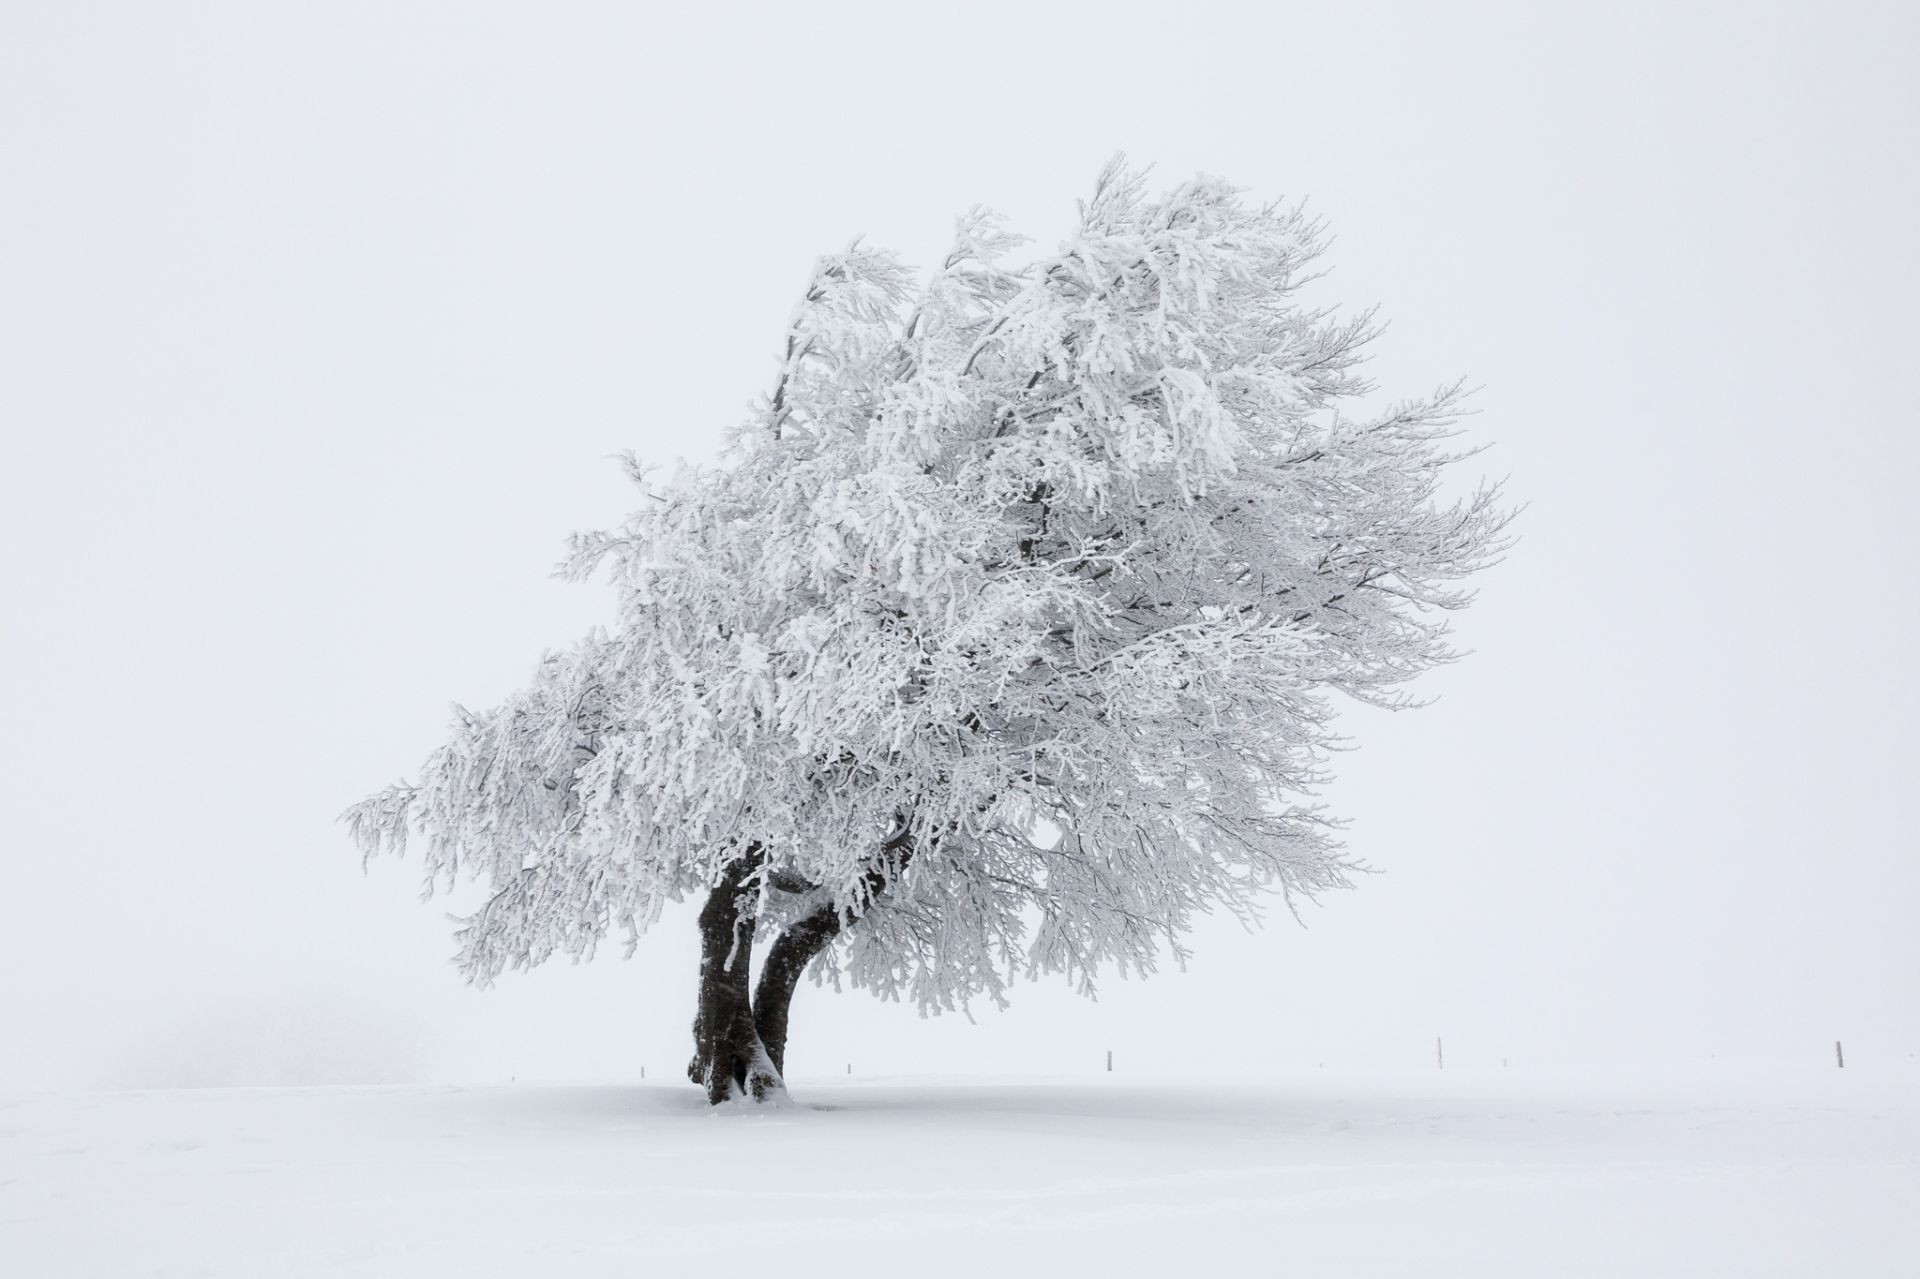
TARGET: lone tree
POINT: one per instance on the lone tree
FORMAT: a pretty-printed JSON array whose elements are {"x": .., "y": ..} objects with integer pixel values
[{"x": 1005, "y": 636}]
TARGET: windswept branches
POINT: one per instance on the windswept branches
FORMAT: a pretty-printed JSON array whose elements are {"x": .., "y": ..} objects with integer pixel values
[{"x": 1008, "y": 635}]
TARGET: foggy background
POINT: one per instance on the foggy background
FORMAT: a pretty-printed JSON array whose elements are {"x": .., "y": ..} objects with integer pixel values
[{"x": 317, "y": 324}]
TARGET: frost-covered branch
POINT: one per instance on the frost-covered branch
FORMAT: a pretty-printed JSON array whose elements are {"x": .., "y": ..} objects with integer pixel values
[{"x": 1008, "y": 634}]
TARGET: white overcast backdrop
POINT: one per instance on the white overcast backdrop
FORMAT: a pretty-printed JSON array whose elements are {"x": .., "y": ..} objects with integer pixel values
[{"x": 317, "y": 323}]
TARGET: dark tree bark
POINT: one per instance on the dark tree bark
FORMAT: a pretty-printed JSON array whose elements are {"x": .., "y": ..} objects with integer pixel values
[
  {"x": 740, "y": 1038},
  {"x": 728, "y": 1058},
  {"x": 805, "y": 938},
  {"x": 787, "y": 958}
]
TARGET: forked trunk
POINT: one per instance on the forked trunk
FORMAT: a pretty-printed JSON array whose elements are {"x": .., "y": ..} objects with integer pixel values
[
  {"x": 729, "y": 1060},
  {"x": 740, "y": 1040}
]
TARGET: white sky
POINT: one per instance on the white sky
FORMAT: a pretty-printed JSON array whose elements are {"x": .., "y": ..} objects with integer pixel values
[{"x": 317, "y": 322}]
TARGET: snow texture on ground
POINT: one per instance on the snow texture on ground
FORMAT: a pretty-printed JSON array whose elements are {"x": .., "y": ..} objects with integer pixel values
[{"x": 1495, "y": 1173}]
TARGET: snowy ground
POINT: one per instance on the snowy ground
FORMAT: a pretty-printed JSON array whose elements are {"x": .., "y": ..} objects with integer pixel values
[{"x": 1713, "y": 1172}]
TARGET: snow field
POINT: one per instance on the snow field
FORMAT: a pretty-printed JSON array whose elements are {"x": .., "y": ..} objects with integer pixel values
[{"x": 1734, "y": 1172}]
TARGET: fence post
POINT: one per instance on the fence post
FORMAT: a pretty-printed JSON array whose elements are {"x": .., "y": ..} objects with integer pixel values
[
  {"x": 1439, "y": 1054},
  {"x": 1839, "y": 1058},
  {"x": 1109, "y": 1061}
]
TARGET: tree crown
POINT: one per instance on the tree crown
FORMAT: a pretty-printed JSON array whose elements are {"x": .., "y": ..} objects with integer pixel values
[{"x": 1011, "y": 623}]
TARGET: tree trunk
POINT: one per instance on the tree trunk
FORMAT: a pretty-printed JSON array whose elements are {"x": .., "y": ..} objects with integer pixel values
[
  {"x": 728, "y": 1058},
  {"x": 787, "y": 958},
  {"x": 740, "y": 1041},
  {"x": 795, "y": 948}
]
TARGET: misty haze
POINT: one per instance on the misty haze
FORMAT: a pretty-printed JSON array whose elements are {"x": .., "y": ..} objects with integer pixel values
[{"x": 971, "y": 639}]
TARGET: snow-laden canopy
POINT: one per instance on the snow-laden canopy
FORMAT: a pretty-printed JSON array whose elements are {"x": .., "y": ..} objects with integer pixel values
[{"x": 1009, "y": 628}]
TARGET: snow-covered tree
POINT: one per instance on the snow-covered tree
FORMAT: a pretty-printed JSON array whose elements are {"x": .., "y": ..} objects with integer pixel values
[{"x": 1006, "y": 635}]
